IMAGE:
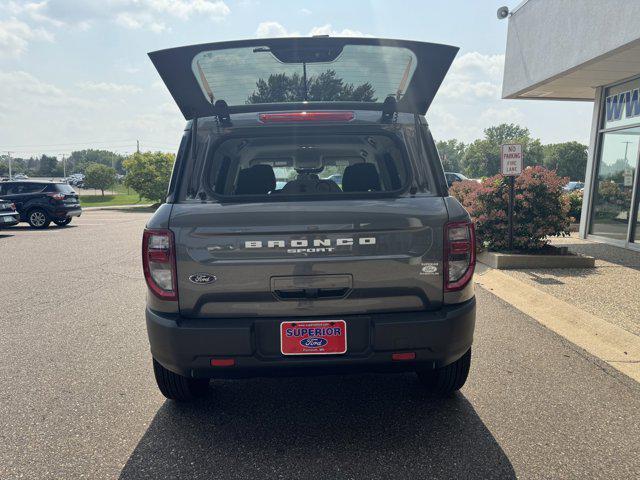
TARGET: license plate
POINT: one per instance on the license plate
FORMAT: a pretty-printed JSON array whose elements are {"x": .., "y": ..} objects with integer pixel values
[
  {"x": 313, "y": 338},
  {"x": 7, "y": 219}
]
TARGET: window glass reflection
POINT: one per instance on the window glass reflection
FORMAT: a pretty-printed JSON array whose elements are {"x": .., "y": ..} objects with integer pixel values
[{"x": 614, "y": 183}]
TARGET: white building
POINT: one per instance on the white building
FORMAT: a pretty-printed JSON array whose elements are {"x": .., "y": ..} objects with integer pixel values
[{"x": 588, "y": 50}]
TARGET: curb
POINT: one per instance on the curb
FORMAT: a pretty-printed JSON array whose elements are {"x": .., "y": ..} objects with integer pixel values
[
  {"x": 505, "y": 261},
  {"x": 610, "y": 343},
  {"x": 117, "y": 207}
]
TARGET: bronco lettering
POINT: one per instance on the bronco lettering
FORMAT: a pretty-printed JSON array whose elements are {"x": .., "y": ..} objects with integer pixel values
[{"x": 325, "y": 244}]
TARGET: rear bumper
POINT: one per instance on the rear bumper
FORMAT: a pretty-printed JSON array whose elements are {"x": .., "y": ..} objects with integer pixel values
[
  {"x": 9, "y": 218},
  {"x": 186, "y": 346},
  {"x": 65, "y": 212}
]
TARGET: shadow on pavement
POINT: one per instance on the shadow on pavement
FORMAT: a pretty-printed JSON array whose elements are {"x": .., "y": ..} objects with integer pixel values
[
  {"x": 127, "y": 209},
  {"x": 22, "y": 227},
  {"x": 554, "y": 276},
  {"x": 365, "y": 426}
]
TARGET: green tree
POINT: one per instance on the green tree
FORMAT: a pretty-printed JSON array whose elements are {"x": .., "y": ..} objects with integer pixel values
[
  {"x": 451, "y": 153},
  {"x": 149, "y": 173},
  {"x": 48, "y": 166},
  {"x": 482, "y": 157},
  {"x": 326, "y": 87},
  {"x": 569, "y": 159},
  {"x": 79, "y": 160},
  {"x": 99, "y": 176}
]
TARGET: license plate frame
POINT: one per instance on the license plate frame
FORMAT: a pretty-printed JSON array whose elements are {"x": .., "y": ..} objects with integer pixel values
[{"x": 291, "y": 342}]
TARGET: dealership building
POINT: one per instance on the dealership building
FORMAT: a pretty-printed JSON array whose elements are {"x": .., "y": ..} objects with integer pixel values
[{"x": 588, "y": 50}]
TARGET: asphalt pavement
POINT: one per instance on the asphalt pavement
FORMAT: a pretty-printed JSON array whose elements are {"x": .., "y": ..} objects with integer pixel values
[{"x": 78, "y": 399}]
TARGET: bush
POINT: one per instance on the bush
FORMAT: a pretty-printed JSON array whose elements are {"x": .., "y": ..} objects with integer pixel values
[
  {"x": 149, "y": 173},
  {"x": 575, "y": 205},
  {"x": 464, "y": 191},
  {"x": 540, "y": 210},
  {"x": 99, "y": 176}
]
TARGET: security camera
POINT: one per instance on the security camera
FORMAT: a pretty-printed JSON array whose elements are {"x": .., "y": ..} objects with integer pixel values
[{"x": 503, "y": 12}]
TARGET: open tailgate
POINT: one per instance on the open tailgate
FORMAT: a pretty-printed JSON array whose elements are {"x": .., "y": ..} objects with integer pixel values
[{"x": 312, "y": 72}]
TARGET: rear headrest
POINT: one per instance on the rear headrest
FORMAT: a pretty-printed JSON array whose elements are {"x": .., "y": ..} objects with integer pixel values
[
  {"x": 257, "y": 180},
  {"x": 361, "y": 177}
]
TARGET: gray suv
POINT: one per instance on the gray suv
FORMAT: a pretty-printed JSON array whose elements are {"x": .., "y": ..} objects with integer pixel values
[{"x": 259, "y": 263}]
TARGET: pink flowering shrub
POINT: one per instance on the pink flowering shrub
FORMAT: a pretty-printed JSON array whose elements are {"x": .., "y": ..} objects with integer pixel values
[{"x": 540, "y": 209}]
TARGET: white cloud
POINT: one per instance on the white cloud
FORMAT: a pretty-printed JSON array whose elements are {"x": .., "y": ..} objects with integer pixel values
[
  {"x": 469, "y": 99},
  {"x": 474, "y": 77},
  {"x": 120, "y": 88},
  {"x": 15, "y": 36},
  {"x": 305, "y": 11},
  {"x": 271, "y": 29},
  {"x": 274, "y": 29},
  {"x": 183, "y": 9},
  {"x": 30, "y": 93},
  {"x": 464, "y": 89},
  {"x": 501, "y": 114},
  {"x": 132, "y": 14},
  {"x": 100, "y": 111},
  {"x": 136, "y": 21},
  {"x": 329, "y": 30}
]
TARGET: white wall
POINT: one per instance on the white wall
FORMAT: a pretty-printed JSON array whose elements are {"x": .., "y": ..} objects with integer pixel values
[{"x": 549, "y": 37}]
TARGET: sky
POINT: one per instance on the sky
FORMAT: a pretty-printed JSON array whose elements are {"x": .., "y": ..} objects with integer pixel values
[{"x": 75, "y": 74}]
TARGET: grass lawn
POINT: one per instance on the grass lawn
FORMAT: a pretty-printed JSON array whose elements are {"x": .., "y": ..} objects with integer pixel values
[{"x": 111, "y": 200}]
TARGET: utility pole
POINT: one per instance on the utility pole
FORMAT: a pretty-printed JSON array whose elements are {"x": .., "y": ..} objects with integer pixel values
[
  {"x": 64, "y": 166},
  {"x": 138, "y": 146},
  {"x": 10, "y": 175}
]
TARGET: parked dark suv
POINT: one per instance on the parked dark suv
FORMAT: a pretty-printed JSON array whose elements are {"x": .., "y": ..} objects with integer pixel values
[
  {"x": 8, "y": 214},
  {"x": 40, "y": 203},
  {"x": 247, "y": 277}
]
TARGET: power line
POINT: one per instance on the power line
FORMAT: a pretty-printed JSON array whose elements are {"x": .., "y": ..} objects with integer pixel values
[
  {"x": 64, "y": 144},
  {"x": 128, "y": 142}
]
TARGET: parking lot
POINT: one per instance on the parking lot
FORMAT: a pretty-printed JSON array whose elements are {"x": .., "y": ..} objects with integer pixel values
[{"x": 79, "y": 399}]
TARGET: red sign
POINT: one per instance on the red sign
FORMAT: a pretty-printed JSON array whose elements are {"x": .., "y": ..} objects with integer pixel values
[{"x": 327, "y": 337}]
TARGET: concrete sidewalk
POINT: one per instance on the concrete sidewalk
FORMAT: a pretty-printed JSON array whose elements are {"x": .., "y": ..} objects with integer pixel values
[
  {"x": 610, "y": 291},
  {"x": 596, "y": 309}
]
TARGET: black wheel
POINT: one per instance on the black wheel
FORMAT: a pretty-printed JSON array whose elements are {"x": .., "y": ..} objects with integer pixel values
[
  {"x": 179, "y": 388},
  {"x": 447, "y": 380},
  {"x": 38, "y": 218},
  {"x": 62, "y": 223}
]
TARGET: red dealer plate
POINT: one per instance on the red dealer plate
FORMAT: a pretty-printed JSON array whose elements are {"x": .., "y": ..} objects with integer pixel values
[{"x": 313, "y": 338}]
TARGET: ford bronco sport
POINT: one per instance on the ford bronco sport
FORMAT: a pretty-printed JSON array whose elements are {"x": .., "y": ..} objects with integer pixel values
[{"x": 307, "y": 227}]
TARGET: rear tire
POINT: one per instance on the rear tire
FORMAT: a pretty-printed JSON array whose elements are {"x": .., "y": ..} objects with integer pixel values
[
  {"x": 38, "y": 218},
  {"x": 63, "y": 223},
  {"x": 447, "y": 380},
  {"x": 179, "y": 388}
]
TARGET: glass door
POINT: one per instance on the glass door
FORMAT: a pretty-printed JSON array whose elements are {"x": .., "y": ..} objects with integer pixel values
[{"x": 615, "y": 183}]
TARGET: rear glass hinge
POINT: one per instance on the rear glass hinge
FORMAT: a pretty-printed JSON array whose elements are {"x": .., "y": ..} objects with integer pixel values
[
  {"x": 389, "y": 110},
  {"x": 221, "y": 110}
]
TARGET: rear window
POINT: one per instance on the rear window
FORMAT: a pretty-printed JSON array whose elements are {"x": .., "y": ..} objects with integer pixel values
[
  {"x": 361, "y": 73},
  {"x": 293, "y": 166},
  {"x": 21, "y": 187},
  {"x": 64, "y": 188}
]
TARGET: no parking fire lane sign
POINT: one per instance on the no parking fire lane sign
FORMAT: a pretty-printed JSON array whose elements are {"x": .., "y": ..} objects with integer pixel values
[{"x": 511, "y": 160}]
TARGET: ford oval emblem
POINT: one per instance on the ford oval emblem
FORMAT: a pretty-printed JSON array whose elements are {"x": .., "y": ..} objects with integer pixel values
[
  {"x": 202, "y": 278},
  {"x": 313, "y": 342}
]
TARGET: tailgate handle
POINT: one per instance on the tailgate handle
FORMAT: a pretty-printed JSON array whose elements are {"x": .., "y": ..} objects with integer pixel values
[
  {"x": 311, "y": 293},
  {"x": 311, "y": 287}
]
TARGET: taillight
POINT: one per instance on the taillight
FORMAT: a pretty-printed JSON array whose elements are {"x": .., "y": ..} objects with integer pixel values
[
  {"x": 459, "y": 255},
  {"x": 288, "y": 117},
  {"x": 159, "y": 263},
  {"x": 57, "y": 196}
]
